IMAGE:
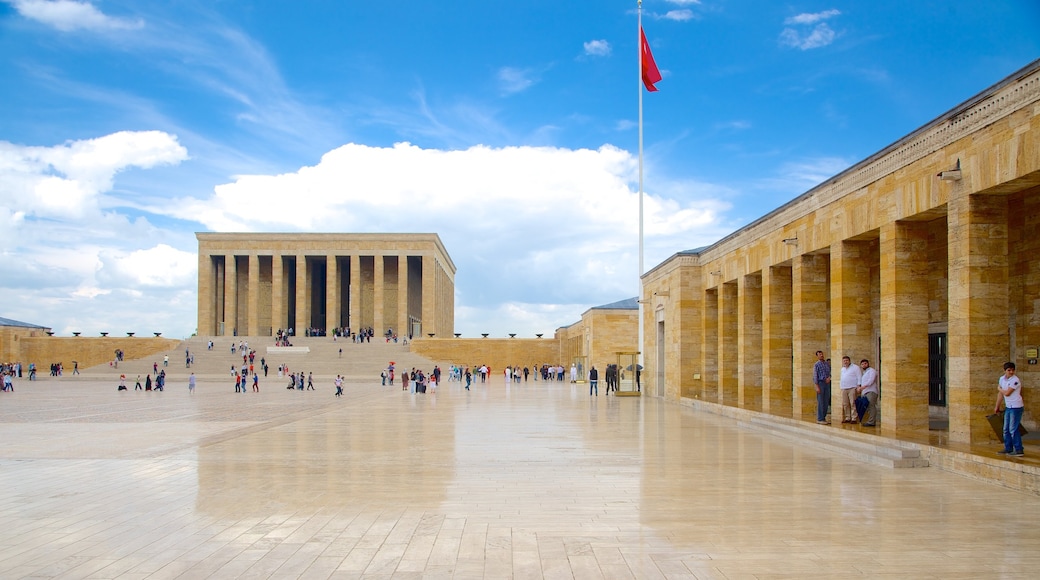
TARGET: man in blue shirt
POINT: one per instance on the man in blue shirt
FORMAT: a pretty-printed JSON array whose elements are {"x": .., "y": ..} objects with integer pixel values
[{"x": 822, "y": 380}]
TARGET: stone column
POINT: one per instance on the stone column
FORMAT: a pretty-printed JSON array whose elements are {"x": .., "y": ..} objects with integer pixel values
[
  {"x": 303, "y": 294},
  {"x": 378, "y": 291},
  {"x": 332, "y": 294},
  {"x": 904, "y": 327},
  {"x": 728, "y": 344},
  {"x": 710, "y": 346},
  {"x": 402, "y": 296},
  {"x": 207, "y": 295},
  {"x": 749, "y": 341},
  {"x": 429, "y": 294},
  {"x": 810, "y": 327},
  {"x": 278, "y": 306},
  {"x": 776, "y": 340},
  {"x": 355, "y": 293},
  {"x": 253, "y": 296},
  {"x": 978, "y": 310},
  {"x": 230, "y": 295},
  {"x": 852, "y": 331}
]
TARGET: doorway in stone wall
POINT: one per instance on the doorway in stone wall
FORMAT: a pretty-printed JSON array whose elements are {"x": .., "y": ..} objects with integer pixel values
[
  {"x": 937, "y": 365},
  {"x": 659, "y": 379}
]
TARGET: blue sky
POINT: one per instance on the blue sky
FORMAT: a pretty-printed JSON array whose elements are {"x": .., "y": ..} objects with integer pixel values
[{"x": 509, "y": 128}]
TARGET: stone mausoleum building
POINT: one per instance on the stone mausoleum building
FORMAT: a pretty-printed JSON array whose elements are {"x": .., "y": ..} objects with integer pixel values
[
  {"x": 252, "y": 284},
  {"x": 923, "y": 258}
]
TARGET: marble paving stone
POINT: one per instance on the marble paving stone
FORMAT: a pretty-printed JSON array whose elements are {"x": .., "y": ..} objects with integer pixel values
[{"x": 532, "y": 481}]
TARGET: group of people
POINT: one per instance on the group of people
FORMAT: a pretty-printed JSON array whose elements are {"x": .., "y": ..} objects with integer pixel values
[
  {"x": 148, "y": 385},
  {"x": 421, "y": 382},
  {"x": 854, "y": 381}
]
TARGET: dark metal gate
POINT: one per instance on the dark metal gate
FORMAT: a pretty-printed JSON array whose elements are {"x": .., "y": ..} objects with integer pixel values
[{"x": 937, "y": 347}]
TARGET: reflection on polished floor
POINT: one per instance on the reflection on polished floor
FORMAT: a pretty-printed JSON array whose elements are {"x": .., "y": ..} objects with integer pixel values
[{"x": 537, "y": 480}]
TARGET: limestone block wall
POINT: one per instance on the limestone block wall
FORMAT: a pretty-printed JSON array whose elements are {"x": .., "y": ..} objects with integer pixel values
[
  {"x": 11, "y": 338},
  {"x": 869, "y": 264},
  {"x": 497, "y": 353},
  {"x": 88, "y": 352},
  {"x": 611, "y": 331}
]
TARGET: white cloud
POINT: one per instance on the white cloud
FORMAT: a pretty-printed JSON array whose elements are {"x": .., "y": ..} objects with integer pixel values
[
  {"x": 597, "y": 48},
  {"x": 811, "y": 18},
  {"x": 66, "y": 180},
  {"x": 801, "y": 35},
  {"x": 514, "y": 80},
  {"x": 678, "y": 15},
  {"x": 72, "y": 254},
  {"x": 68, "y": 15},
  {"x": 161, "y": 265}
]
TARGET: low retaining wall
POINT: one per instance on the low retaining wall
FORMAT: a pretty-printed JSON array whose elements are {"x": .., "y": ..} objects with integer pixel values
[
  {"x": 88, "y": 351},
  {"x": 497, "y": 353}
]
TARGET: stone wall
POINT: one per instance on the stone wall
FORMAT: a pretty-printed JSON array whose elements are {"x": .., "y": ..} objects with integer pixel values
[
  {"x": 89, "y": 352},
  {"x": 497, "y": 353}
]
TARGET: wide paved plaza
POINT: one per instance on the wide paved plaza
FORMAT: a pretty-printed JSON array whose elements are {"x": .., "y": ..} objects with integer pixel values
[{"x": 537, "y": 480}]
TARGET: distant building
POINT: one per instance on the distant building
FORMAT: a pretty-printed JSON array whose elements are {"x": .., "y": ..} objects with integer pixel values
[{"x": 256, "y": 284}]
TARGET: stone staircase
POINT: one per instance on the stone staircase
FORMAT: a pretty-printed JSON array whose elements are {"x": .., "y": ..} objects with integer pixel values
[
  {"x": 319, "y": 355},
  {"x": 861, "y": 446}
]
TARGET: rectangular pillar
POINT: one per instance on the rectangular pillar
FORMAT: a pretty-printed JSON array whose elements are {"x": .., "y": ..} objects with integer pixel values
[
  {"x": 230, "y": 295},
  {"x": 904, "y": 327},
  {"x": 710, "y": 346},
  {"x": 378, "y": 298},
  {"x": 402, "y": 296},
  {"x": 332, "y": 294},
  {"x": 278, "y": 307},
  {"x": 978, "y": 310},
  {"x": 749, "y": 341},
  {"x": 253, "y": 296},
  {"x": 810, "y": 327},
  {"x": 728, "y": 344},
  {"x": 777, "y": 310},
  {"x": 852, "y": 330},
  {"x": 429, "y": 294},
  {"x": 303, "y": 303},
  {"x": 354, "y": 307},
  {"x": 207, "y": 295}
]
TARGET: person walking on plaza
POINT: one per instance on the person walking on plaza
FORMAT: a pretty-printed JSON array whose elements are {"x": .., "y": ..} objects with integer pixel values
[
  {"x": 191, "y": 384},
  {"x": 339, "y": 386},
  {"x": 1010, "y": 388},
  {"x": 822, "y": 381},
  {"x": 256, "y": 383},
  {"x": 310, "y": 381},
  {"x": 593, "y": 381},
  {"x": 850, "y": 375},
  {"x": 868, "y": 387}
]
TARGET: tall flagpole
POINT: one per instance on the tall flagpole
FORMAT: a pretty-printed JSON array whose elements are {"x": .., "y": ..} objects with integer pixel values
[{"x": 639, "y": 88}]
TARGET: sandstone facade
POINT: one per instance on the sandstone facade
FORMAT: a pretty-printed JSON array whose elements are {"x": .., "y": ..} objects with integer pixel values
[
  {"x": 255, "y": 284},
  {"x": 933, "y": 278}
]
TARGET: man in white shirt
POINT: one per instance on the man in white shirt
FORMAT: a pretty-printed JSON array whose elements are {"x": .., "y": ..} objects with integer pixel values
[
  {"x": 850, "y": 375},
  {"x": 1010, "y": 388},
  {"x": 868, "y": 387}
]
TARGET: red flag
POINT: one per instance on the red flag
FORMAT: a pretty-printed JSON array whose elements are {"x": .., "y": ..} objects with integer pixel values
[{"x": 650, "y": 73}]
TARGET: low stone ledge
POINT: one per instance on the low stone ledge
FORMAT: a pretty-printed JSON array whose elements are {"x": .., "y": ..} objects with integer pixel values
[{"x": 288, "y": 349}]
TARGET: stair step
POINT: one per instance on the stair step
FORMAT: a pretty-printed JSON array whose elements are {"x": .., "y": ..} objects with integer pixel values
[{"x": 864, "y": 447}]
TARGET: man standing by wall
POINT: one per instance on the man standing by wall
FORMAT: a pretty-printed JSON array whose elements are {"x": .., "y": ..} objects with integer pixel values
[
  {"x": 850, "y": 375},
  {"x": 1010, "y": 388},
  {"x": 868, "y": 387},
  {"x": 822, "y": 381}
]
